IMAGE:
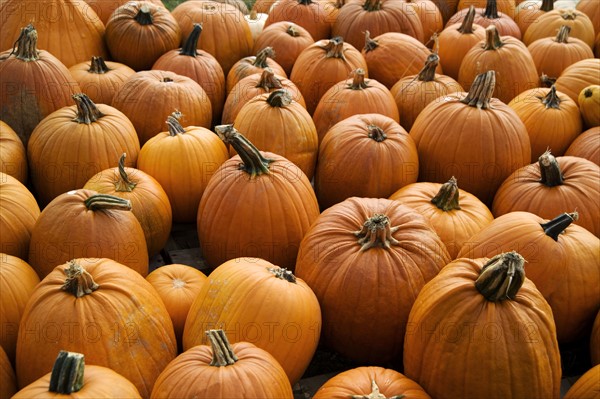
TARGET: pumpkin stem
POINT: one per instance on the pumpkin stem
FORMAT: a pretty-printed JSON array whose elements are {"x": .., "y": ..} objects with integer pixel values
[
  {"x": 370, "y": 44},
  {"x": 467, "y": 24},
  {"x": 550, "y": 170},
  {"x": 102, "y": 202},
  {"x": 358, "y": 82},
  {"x": 280, "y": 98},
  {"x": 492, "y": 38},
  {"x": 335, "y": 48},
  {"x": 79, "y": 282},
  {"x": 97, "y": 65},
  {"x": 375, "y": 394},
  {"x": 124, "y": 184},
  {"x": 144, "y": 16},
  {"x": 481, "y": 90},
  {"x": 292, "y": 30},
  {"x": 372, "y": 5},
  {"x": 447, "y": 198},
  {"x": 67, "y": 373},
  {"x": 547, "y": 5},
  {"x": 260, "y": 61},
  {"x": 501, "y": 277},
  {"x": 427, "y": 74},
  {"x": 283, "y": 274},
  {"x": 568, "y": 15},
  {"x": 223, "y": 354},
  {"x": 87, "y": 112},
  {"x": 253, "y": 162},
  {"x": 547, "y": 81},
  {"x": 551, "y": 99},
  {"x": 376, "y": 133},
  {"x": 376, "y": 232},
  {"x": 253, "y": 15},
  {"x": 588, "y": 92},
  {"x": 190, "y": 47},
  {"x": 268, "y": 81},
  {"x": 305, "y": 2},
  {"x": 491, "y": 10},
  {"x": 173, "y": 124},
  {"x": 25, "y": 47},
  {"x": 563, "y": 34},
  {"x": 558, "y": 225}
]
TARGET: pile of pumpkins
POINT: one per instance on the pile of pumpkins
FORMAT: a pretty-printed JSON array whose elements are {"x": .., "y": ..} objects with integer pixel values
[{"x": 318, "y": 146}]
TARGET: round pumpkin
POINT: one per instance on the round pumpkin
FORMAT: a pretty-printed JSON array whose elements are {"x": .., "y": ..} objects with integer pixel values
[
  {"x": 505, "y": 6},
  {"x": 100, "y": 79},
  {"x": 311, "y": 15},
  {"x": 527, "y": 11},
  {"x": 489, "y": 15},
  {"x": 105, "y": 8},
  {"x": 13, "y": 160},
  {"x": 254, "y": 64},
  {"x": 430, "y": 17},
  {"x": 8, "y": 380},
  {"x": 595, "y": 342},
  {"x": 578, "y": 76},
  {"x": 547, "y": 24},
  {"x": 589, "y": 105},
  {"x": 586, "y": 145},
  {"x": 591, "y": 8},
  {"x": 586, "y": 386}
]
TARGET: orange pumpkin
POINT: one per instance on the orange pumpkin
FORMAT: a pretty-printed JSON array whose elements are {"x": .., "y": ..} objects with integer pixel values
[
  {"x": 13, "y": 160},
  {"x": 589, "y": 105},
  {"x": 100, "y": 79},
  {"x": 586, "y": 386},
  {"x": 490, "y": 15},
  {"x": 528, "y": 11},
  {"x": 311, "y": 15},
  {"x": 578, "y": 76},
  {"x": 591, "y": 8},
  {"x": 504, "y": 6},
  {"x": 586, "y": 145},
  {"x": 254, "y": 64},
  {"x": 104, "y": 8},
  {"x": 595, "y": 342},
  {"x": 8, "y": 381},
  {"x": 430, "y": 17},
  {"x": 547, "y": 24}
]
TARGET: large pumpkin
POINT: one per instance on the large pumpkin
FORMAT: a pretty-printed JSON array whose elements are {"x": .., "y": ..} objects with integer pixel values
[
  {"x": 100, "y": 79},
  {"x": 13, "y": 160},
  {"x": 8, "y": 380},
  {"x": 586, "y": 386},
  {"x": 311, "y": 15},
  {"x": 578, "y": 76},
  {"x": 586, "y": 145}
]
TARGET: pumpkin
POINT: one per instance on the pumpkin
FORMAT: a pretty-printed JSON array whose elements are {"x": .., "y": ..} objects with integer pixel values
[
  {"x": 92, "y": 225},
  {"x": 589, "y": 105},
  {"x": 578, "y": 76},
  {"x": 287, "y": 39},
  {"x": 311, "y": 15},
  {"x": 231, "y": 229},
  {"x": 149, "y": 202},
  {"x": 278, "y": 124},
  {"x": 508, "y": 57},
  {"x": 592, "y": 10},
  {"x": 34, "y": 83},
  {"x": 72, "y": 144},
  {"x": 100, "y": 79},
  {"x": 506, "y": 7},
  {"x": 482, "y": 316},
  {"x": 547, "y": 24},
  {"x": 552, "y": 119},
  {"x": 321, "y": 65},
  {"x": 364, "y": 155},
  {"x": 455, "y": 214},
  {"x": 17, "y": 281},
  {"x": 551, "y": 248},
  {"x": 256, "y": 21},
  {"x": 377, "y": 17},
  {"x": 412, "y": 93},
  {"x": 18, "y": 214},
  {"x": 595, "y": 342},
  {"x": 8, "y": 381},
  {"x": 222, "y": 370},
  {"x": 103, "y": 309},
  {"x": 370, "y": 382},
  {"x": 260, "y": 303},
  {"x": 498, "y": 142},
  {"x": 586, "y": 145},
  {"x": 431, "y": 18},
  {"x": 198, "y": 65},
  {"x": 350, "y": 97},
  {"x": 263, "y": 6},
  {"x": 225, "y": 33},
  {"x": 529, "y": 10},
  {"x": 366, "y": 259},
  {"x": 550, "y": 186},
  {"x": 239, "y": 4},
  {"x": 253, "y": 64},
  {"x": 586, "y": 386},
  {"x": 447, "y": 7},
  {"x": 488, "y": 16},
  {"x": 71, "y": 377},
  {"x": 456, "y": 40},
  {"x": 13, "y": 160},
  {"x": 105, "y": 8},
  {"x": 137, "y": 99},
  {"x": 178, "y": 285}
]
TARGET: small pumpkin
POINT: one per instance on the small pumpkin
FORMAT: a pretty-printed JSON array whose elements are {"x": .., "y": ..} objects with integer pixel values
[
  {"x": 586, "y": 386},
  {"x": 578, "y": 76},
  {"x": 589, "y": 105},
  {"x": 13, "y": 159},
  {"x": 586, "y": 145},
  {"x": 547, "y": 24},
  {"x": 8, "y": 380},
  {"x": 254, "y": 64}
]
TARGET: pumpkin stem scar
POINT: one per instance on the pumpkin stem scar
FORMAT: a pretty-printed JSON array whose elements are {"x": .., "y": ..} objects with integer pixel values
[
  {"x": 376, "y": 232},
  {"x": 376, "y": 394}
]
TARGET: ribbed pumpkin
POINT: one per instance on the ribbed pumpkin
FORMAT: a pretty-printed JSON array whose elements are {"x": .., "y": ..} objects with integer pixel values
[
  {"x": 254, "y": 64},
  {"x": 103, "y": 309},
  {"x": 455, "y": 214},
  {"x": 256, "y": 21},
  {"x": 527, "y": 11},
  {"x": 595, "y": 342},
  {"x": 591, "y": 8},
  {"x": 100, "y": 79},
  {"x": 552, "y": 120},
  {"x": 547, "y": 24},
  {"x": 474, "y": 137},
  {"x": 8, "y": 380},
  {"x": 483, "y": 316},
  {"x": 280, "y": 206},
  {"x": 104, "y": 8},
  {"x": 365, "y": 155},
  {"x": 321, "y": 65},
  {"x": 72, "y": 144},
  {"x": 586, "y": 386},
  {"x": 149, "y": 202},
  {"x": 222, "y": 370},
  {"x": 278, "y": 124},
  {"x": 447, "y": 8},
  {"x": 182, "y": 160},
  {"x": 551, "y": 248},
  {"x": 370, "y": 382},
  {"x": 413, "y": 93},
  {"x": 430, "y": 17},
  {"x": 366, "y": 259},
  {"x": 17, "y": 281},
  {"x": 34, "y": 82},
  {"x": 71, "y": 377},
  {"x": 550, "y": 186},
  {"x": 18, "y": 213},
  {"x": 91, "y": 225},
  {"x": 578, "y": 76},
  {"x": 586, "y": 145},
  {"x": 505, "y": 6},
  {"x": 137, "y": 99},
  {"x": 488, "y": 16},
  {"x": 311, "y": 15},
  {"x": 260, "y": 303},
  {"x": 351, "y": 97},
  {"x": 13, "y": 160},
  {"x": 589, "y": 105},
  {"x": 508, "y": 57}
]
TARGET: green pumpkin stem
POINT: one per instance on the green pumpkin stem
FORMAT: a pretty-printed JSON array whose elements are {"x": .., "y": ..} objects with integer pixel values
[
  {"x": 144, "y": 16},
  {"x": 447, "y": 198},
  {"x": 124, "y": 184},
  {"x": 427, "y": 74},
  {"x": 550, "y": 172},
  {"x": 173, "y": 124},
  {"x": 223, "y": 354},
  {"x": 280, "y": 98},
  {"x": 335, "y": 48},
  {"x": 481, "y": 90},
  {"x": 556, "y": 226},
  {"x": 260, "y": 61},
  {"x": 282, "y": 274},
  {"x": 372, "y": 5},
  {"x": 376, "y": 232},
  {"x": 491, "y": 10},
  {"x": 467, "y": 24},
  {"x": 78, "y": 282},
  {"x": 98, "y": 66},
  {"x": 551, "y": 99},
  {"x": 563, "y": 34},
  {"x": 358, "y": 82},
  {"x": 102, "y": 202},
  {"x": 87, "y": 111},
  {"x": 375, "y": 394},
  {"x": 190, "y": 47},
  {"x": 253, "y": 162},
  {"x": 268, "y": 81},
  {"x": 492, "y": 38},
  {"x": 67, "y": 373},
  {"x": 547, "y": 5},
  {"x": 25, "y": 47},
  {"x": 501, "y": 277},
  {"x": 376, "y": 133},
  {"x": 370, "y": 44}
]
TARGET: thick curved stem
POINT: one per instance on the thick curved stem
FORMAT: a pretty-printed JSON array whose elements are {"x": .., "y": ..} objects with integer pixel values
[
  {"x": 550, "y": 170},
  {"x": 492, "y": 38},
  {"x": 97, "y": 65},
  {"x": 67, "y": 373},
  {"x": 501, "y": 277},
  {"x": 283, "y": 274},
  {"x": 558, "y": 225},
  {"x": 173, "y": 124},
  {"x": 268, "y": 81},
  {"x": 123, "y": 184},
  {"x": 78, "y": 282},
  {"x": 101, "y": 202},
  {"x": 260, "y": 61},
  {"x": 427, "y": 74},
  {"x": 223, "y": 354},
  {"x": 447, "y": 198},
  {"x": 370, "y": 44},
  {"x": 334, "y": 48},
  {"x": 491, "y": 10},
  {"x": 25, "y": 47},
  {"x": 481, "y": 90},
  {"x": 563, "y": 34},
  {"x": 190, "y": 47},
  {"x": 467, "y": 24},
  {"x": 280, "y": 98},
  {"x": 253, "y": 162},
  {"x": 87, "y": 111},
  {"x": 358, "y": 82},
  {"x": 376, "y": 232}
]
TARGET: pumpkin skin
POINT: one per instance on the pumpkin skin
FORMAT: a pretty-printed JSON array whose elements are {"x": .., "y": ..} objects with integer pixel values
[
  {"x": 527, "y": 11},
  {"x": 579, "y": 76},
  {"x": 199, "y": 374},
  {"x": 586, "y": 145},
  {"x": 13, "y": 159},
  {"x": 573, "y": 256},
  {"x": 130, "y": 324},
  {"x": 586, "y": 386},
  {"x": 8, "y": 381},
  {"x": 311, "y": 15},
  {"x": 449, "y": 302},
  {"x": 104, "y": 8},
  {"x": 18, "y": 214},
  {"x": 87, "y": 232},
  {"x": 17, "y": 281},
  {"x": 592, "y": 10},
  {"x": 430, "y": 17},
  {"x": 595, "y": 342},
  {"x": 504, "y": 6},
  {"x": 589, "y": 105},
  {"x": 346, "y": 162},
  {"x": 548, "y": 23},
  {"x": 100, "y": 79},
  {"x": 356, "y": 283},
  {"x": 256, "y": 21},
  {"x": 250, "y": 65},
  {"x": 489, "y": 15}
]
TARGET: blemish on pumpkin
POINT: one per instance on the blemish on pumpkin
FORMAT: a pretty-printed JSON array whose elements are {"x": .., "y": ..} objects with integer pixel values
[{"x": 178, "y": 283}]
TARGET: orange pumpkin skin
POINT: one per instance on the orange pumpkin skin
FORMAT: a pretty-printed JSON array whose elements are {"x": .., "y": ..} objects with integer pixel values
[
  {"x": 595, "y": 342},
  {"x": 592, "y": 10},
  {"x": 430, "y": 16},
  {"x": 311, "y": 15},
  {"x": 18, "y": 214},
  {"x": 17, "y": 281},
  {"x": 485, "y": 17},
  {"x": 578, "y": 76},
  {"x": 86, "y": 232},
  {"x": 586, "y": 145},
  {"x": 356, "y": 284},
  {"x": 120, "y": 324},
  {"x": 104, "y": 8},
  {"x": 8, "y": 381},
  {"x": 100, "y": 79},
  {"x": 586, "y": 386},
  {"x": 250, "y": 65},
  {"x": 13, "y": 159},
  {"x": 548, "y": 24},
  {"x": 452, "y": 322}
]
